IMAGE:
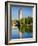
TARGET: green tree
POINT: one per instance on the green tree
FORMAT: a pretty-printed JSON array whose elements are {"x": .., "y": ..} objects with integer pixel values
[{"x": 23, "y": 24}]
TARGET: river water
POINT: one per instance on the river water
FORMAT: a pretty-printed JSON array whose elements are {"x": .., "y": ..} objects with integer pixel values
[{"x": 15, "y": 34}]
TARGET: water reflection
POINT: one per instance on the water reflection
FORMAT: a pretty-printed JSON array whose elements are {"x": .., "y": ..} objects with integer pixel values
[{"x": 15, "y": 34}]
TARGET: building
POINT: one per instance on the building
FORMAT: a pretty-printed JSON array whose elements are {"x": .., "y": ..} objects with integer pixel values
[{"x": 20, "y": 13}]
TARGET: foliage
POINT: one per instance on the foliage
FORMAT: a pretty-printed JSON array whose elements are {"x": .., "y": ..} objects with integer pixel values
[{"x": 23, "y": 27}]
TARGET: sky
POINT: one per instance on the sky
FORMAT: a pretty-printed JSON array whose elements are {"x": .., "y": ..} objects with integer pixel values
[{"x": 27, "y": 11}]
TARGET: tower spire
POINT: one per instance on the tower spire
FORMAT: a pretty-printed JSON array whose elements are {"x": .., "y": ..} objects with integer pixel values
[{"x": 20, "y": 13}]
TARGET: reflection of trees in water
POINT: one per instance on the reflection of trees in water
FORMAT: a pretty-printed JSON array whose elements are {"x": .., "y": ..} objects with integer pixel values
[{"x": 24, "y": 24}]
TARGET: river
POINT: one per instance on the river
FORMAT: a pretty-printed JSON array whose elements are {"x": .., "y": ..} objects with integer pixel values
[{"x": 15, "y": 34}]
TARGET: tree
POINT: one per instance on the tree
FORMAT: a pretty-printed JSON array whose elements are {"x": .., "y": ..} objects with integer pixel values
[{"x": 23, "y": 25}]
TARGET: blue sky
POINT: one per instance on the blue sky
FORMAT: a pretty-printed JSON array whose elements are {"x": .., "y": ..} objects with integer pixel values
[{"x": 27, "y": 11}]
